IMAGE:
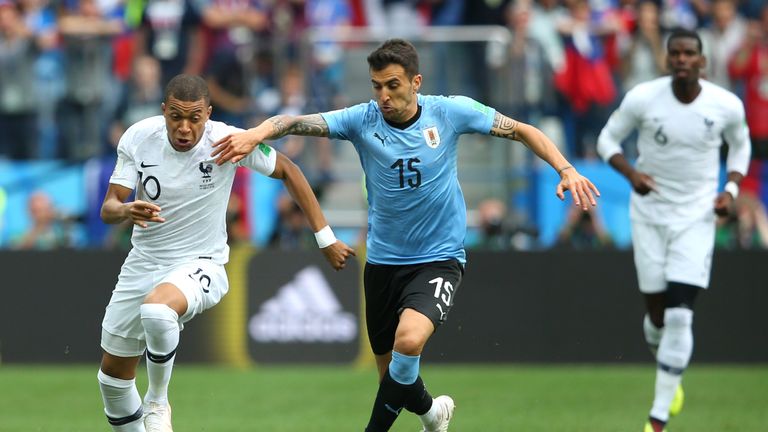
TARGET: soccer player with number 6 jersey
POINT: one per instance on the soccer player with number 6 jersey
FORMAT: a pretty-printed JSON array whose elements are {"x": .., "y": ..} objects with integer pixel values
[
  {"x": 682, "y": 122},
  {"x": 416, "y": 212}
]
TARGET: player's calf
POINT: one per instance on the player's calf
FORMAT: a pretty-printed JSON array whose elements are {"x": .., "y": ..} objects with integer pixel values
[{"x": 122, "y": 403}]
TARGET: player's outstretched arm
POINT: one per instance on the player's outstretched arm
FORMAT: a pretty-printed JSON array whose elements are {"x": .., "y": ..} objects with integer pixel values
[
  {"x": 235, "y": 147},
  {"x": 335, "y": 251},
  {"x": 114, "y": 209},
  {"x": 582, "y": 189}
]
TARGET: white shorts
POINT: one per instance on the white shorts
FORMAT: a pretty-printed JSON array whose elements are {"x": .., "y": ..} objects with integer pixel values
[
  {"x": 677, "y": 253},
  {"x": 202, "y": 282}
]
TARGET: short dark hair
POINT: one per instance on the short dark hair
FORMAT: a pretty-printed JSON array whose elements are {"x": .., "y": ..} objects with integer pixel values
[
  {"x": 187, "y": 88},
  {"x": 682, "y": 33},
  {"x": 395, "y": 51}
]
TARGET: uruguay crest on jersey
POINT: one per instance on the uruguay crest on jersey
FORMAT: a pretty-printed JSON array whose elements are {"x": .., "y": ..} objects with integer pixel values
[{"x": 431, "y": 136}]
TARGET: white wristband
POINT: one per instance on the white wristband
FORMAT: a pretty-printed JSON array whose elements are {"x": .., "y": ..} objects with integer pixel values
[
  {"x": 732, "y": 188},
  {"x": 325, "y": 237}
]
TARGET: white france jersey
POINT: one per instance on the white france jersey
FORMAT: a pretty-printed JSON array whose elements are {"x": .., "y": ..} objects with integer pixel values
[
  {"x": 189, "y": 187},
  {"x": 679, "y": 146}
]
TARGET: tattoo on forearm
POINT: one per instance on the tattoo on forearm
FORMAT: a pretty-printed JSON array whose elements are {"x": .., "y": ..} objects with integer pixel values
[
  {"x": 279, "y": 124},
  {"x": 308, "y": 125},
  {"x": 504, "y": 127}
]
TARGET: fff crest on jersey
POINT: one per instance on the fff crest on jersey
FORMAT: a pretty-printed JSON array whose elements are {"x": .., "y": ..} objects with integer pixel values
[
  {"x": 431, "y": 136},
  {"x": 206, "y": 168}
]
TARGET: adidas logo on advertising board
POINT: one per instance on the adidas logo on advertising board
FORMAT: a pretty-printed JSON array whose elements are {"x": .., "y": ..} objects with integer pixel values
[{"x": 303, "y": 310}]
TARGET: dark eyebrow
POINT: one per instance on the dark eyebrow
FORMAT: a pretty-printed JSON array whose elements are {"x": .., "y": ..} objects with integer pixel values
[
  {"x": 386, "y": 82},
  {"x": 175, "y": 110}
]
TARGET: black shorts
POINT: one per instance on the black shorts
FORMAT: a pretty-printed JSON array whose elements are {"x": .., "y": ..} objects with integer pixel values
[{"x": 428, "y": 288}]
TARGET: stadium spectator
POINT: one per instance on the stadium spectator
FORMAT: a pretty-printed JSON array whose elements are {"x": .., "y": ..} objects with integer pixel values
[
  {"x": 722, "y": 38},
  {"x": 234, "y": 27},
  {"x": 175, "y": 270},
  {"x": 86, "y": 43},
  {"x": 394, "y": 17},
  {"x": 476, "y": 57},
  {"x": 141, "y": 99},
  {"x": 749, "y": 64},
  {"x": 18, "y": 106},
  {"x": 498, "y": 229},
  {"x": 683, "y": 13},
  {"x": 586, "y": 80},
  {"x": 583, "y": 230},
  {"x": 417, "y": 215},
  {"x": 291, "y": 230},
  {"x": 47, "y": 231},
  {"x": 643, "y": 59},
  {"x": 171, "y": 31},
  {"x": 41, "y": 19},
  {"x": 327, "y": 71},
  {"x": 318, "y": 159},
  {"x": 530, "y": 90},
  {"x": 675, "y": 201}
]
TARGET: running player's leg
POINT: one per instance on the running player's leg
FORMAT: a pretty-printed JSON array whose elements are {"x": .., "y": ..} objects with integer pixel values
[
  {"x": 675, "y": 348},
  {"x": 687, "y": 270},
  {"x": 122, "y": 403},
  {"x": 649, "y": 249},
  {"x": 122, "y": 339},
  {"x": 400, "y": 385},
  {"x": 424, "y": 302},
  {"x": 653, "y": 321},
  {"x": 160, "y": 317},
  {"x": 183, "y": 293}
]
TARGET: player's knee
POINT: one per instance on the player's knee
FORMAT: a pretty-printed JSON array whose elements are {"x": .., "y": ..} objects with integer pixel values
[
  {"x": 409, "y": 344},
  {"x": 678, "y": 317},
  {"x": 681, "y": 295},
  {"x": 158, "y": 317}
]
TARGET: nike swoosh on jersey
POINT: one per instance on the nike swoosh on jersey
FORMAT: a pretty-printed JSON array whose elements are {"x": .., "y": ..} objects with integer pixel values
[{"x": 143, "y": 165}]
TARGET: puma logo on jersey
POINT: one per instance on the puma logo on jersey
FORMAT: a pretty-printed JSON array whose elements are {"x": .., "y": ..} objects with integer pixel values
[
  {"x": 383, "y": 140},
  {"x": 145, "y": 165}
]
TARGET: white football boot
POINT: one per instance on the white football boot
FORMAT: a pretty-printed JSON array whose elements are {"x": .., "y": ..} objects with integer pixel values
[
  {"x": 439, "y": 423},
  {"x": 157, "y": 417}
]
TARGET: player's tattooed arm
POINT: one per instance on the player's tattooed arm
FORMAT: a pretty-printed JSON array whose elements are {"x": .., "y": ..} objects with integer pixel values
[
  {"x": 306, "y": 125},
  {"x": 504, "y": 127}
]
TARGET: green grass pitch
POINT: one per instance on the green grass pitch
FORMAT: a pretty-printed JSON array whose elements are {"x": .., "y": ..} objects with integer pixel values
[{"x": 489, "y": 398}]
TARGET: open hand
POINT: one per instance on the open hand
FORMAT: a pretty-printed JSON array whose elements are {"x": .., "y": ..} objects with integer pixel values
[
  {"x": 582, "y": 190},
  {"x": 234, "y": 147}
]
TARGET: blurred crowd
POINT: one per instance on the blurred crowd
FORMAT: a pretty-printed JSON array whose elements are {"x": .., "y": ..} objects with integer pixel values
[{"x": 75, "y": 73}]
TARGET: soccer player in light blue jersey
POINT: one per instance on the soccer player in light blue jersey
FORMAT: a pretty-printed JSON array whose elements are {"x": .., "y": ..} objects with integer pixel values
[{"x": 407, "y": 143}]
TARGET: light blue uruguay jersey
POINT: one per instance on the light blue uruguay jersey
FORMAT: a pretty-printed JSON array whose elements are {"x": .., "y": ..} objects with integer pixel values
[{"x": 416, "y": 210}]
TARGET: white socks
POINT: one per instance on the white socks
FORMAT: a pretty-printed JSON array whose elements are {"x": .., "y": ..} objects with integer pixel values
[
  {"x": 161, "y": 327},
  {"x": 676, "y": 344},
  {"x": 675, "y": 349},
  {"x": 430, "y": 416},
  {"x": 652, "y": 334},
  {"x": 122, "y": 403}
]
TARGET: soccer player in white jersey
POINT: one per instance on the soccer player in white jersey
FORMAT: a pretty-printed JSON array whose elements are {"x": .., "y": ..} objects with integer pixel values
[
  {"x": 682, "y": 122},
  {"x": 175, "y": 269},
  {"x": 407, "y": 143}
]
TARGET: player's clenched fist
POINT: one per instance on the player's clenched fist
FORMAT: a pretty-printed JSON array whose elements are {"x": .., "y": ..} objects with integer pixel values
[{"x": 337, "y": 254}]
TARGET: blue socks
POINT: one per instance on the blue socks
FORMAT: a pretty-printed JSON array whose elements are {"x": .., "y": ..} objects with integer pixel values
[{"x": 404, "y": 369}]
